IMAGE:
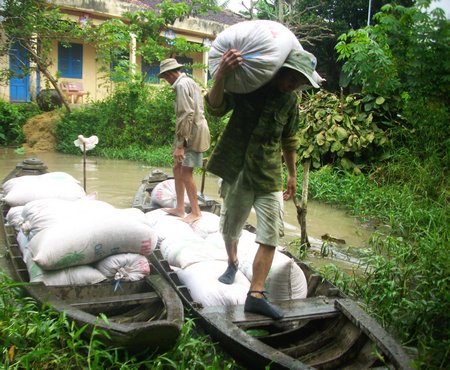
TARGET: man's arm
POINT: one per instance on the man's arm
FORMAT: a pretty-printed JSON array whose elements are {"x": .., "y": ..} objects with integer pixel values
[
  {"x": 290, "y": 158},
  {"x": 231, "y": 59}
]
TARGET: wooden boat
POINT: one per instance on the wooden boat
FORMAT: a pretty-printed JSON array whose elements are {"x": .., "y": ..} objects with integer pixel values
[
  {"x": 325, "y": 330},
  {"x": 143, "y": 201},
  {"x": 140, "y": 315}
]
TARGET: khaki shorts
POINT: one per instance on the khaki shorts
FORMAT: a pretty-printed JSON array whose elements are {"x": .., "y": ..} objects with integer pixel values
[
  {"x": 192, "y": 159},
  {"x": 237, "y": 204}
]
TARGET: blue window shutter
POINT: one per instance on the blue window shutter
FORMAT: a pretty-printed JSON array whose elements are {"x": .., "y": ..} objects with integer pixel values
[
  {"x": 151, "y": 71},
  {"x": 70, "y": 60}
]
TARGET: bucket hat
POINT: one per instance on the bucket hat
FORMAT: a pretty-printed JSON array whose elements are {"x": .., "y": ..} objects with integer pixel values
[
  {"x": 305, "y": 63},
  {"x": 169, "y": 65}
]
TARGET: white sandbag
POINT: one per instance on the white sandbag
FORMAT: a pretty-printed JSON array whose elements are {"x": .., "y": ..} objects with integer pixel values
[
  {"x": 21, "y": 190},
  {"x": 89, "y": 239},
  {"x": 285, "y": 280},
  {"x": 22, "y": 241},
  {"x": 201, "y": 280},
  {"x": 209, "y": 223},
  {"x": 78, "y": 275},
  {"x": 246, "y": 240},
  {"x": 183, "y": 252},
  {"x": 164, "y": 194},
  {"x": 42, "y": 213},
  {"x": 264, "y": 45},
  {"x": 124, "y": 267},
  {"x": 168, "y": 226},
  {"x": 14, "y": 217},
  {"x": 8, "y": 185}
]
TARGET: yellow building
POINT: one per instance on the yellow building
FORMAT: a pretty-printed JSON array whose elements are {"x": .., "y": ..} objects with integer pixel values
[{"x": 78, "y": 66}]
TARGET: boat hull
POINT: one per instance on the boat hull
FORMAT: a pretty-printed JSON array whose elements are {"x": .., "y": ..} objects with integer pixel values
[
  {"x": 136, "y": 315},
  {"x": 326, "y": 330}
]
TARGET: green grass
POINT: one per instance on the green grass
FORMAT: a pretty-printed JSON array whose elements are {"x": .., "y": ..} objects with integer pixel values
[
  {"x": 405, "y": 283},
  {"x": 34, "y": 337}
]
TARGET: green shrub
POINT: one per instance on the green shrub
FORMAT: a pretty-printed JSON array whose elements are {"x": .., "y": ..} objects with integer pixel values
[
  {"x": 137, "y": 116},
  {"x": 12, "y": 119}
]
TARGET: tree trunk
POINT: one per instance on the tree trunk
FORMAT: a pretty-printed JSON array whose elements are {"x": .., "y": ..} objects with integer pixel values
[
  {"x": 35, "y": 57},
  {"x": 303, "y": 207}
]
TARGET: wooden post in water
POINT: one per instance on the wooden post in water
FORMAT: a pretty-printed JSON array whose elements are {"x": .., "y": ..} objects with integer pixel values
[
  {"x": 303, "y": 207},
  {"x": 84, "y": 166}
]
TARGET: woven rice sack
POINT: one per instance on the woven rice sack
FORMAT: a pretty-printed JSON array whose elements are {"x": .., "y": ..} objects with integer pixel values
[
  {"x": 89, "y": 239},
  {"x": 183, "y": 252},
  {"x": 264, "y": 45},
  {"x": 14, "y": 217},
  {"x": 42, "y": 213},
  {"x": 20, "y": 190},
  {"x": 208, "y": 224},
  {"x": 201, "y": 280},
  {"x": 285, "y": 280},
  {"x": 164, "y": 194},
  {"x": 124, "y": 267},
  {"x": 77, "y": 275}
]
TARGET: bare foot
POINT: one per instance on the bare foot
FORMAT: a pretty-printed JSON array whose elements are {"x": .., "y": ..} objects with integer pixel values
[
  {"x": 191, "y": 218},
  {"x": 173, "y": 212}
]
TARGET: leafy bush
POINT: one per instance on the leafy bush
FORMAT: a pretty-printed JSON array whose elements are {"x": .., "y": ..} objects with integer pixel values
[
  {"x": 406, "y": 270},
  {"x": 12, "y": 119},
  {"x": 346, "y": 131},
  {"x": 138, "y": 115}
]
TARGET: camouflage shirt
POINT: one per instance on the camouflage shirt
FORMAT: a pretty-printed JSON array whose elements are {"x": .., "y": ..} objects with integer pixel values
[{"x": 262, "y": 124}]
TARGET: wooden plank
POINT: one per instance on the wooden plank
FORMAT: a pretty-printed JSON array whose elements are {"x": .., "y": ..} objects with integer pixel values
[
  {"x": 374, "y": 331},
  {"x": 129, "y": 299},
  {"x": 298, "y": 309}
]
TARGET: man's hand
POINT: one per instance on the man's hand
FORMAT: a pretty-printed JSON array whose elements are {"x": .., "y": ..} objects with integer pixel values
[
  {"x": 178, "y": 155},
  {"x": 231, "y": 59},
  {"x": 291, "y": 186}
]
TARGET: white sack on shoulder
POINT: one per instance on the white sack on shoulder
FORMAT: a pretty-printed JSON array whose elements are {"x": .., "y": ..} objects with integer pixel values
[
  {"x": 124, "y": 267},
  {"x": 77, "y": 275},
  {"x": 264, "y": 45},
  {"x": 201, "y": 280},
  {"x": 87, "y": 240},
  {"x": 22, "y": 190}
]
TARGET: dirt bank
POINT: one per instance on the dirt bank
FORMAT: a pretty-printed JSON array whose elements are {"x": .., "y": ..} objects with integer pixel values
[{"x": 38, "y": 132}]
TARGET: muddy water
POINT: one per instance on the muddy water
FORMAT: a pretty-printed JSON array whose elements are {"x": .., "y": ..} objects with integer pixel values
[{"x": 116, "y": 181}]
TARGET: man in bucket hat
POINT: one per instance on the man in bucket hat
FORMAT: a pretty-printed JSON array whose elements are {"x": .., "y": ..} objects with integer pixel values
[
  {"x": 262, "y": 127},
  {"x": 192, "y": 136}
]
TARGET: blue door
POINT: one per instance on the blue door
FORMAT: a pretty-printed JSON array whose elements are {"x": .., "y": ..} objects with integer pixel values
[{"x": 19, "y": 83}]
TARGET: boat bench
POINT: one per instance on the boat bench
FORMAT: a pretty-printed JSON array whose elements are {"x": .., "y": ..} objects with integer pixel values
[
  {"x": 129, "y": 299},
  {"x": 74, "y": 90},
  {"x": 306, "y": 308}
]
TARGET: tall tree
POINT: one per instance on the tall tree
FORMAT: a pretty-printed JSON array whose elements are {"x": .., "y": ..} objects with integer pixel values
[
  {"x": 318, "y": 24},
  {"x": 33, "y": 25}
]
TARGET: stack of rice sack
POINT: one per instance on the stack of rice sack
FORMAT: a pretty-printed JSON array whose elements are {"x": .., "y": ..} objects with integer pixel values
[
  {"x": 67, "y": 238},
  {"x": 197, "y": 253}
]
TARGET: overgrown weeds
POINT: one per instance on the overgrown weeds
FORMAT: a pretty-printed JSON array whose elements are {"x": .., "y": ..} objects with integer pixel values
[
  {"x": 407, "y": 268},
  {"x": 34, "y": 337}
]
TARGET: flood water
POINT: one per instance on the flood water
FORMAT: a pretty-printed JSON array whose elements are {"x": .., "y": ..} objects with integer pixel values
[{"x": 116, "y": 181}]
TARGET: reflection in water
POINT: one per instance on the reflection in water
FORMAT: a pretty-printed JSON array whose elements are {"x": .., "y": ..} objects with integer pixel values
[{"x": 116, "y": 181}]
